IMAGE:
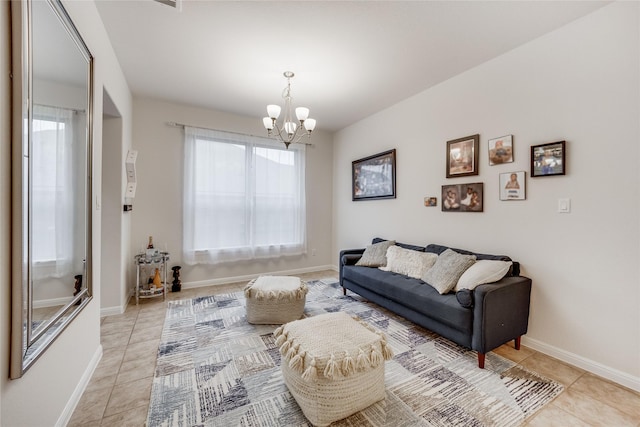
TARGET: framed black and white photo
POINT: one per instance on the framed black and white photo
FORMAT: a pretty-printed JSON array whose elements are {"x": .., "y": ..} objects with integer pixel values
[
  {"x": 463, "y": 197},
  {"x": 512, "y": 186},
  {"x": 462, "y": 156},
  {"x": 374, "y": 177},
  {"x": 548, "y": 159}
]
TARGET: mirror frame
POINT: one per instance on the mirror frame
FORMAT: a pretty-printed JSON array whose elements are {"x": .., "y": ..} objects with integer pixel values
[{"x": 28, "y": 345}]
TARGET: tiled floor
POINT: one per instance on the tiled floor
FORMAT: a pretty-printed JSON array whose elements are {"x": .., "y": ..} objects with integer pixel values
[{"x": 118, "y": 394}]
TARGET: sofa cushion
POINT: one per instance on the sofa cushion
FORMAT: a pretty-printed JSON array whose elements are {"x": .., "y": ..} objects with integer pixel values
[
  {"x": 402, "y": 245},
  {"x": 409, "y": 262},
  {"x": 448, "y": 268},
  {"x": 438, "y": 249},
  {"x": 483, "y": 271},
  {"x": 375, "y": 255},
  {"x": 414, "y": 294}
]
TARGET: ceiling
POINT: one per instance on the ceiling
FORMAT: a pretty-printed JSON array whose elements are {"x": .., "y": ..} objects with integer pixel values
[{"x": 351, "y": 58}]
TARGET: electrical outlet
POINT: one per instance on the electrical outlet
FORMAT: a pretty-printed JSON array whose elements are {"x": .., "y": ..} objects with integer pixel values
[{"x": 313, "y": 252}]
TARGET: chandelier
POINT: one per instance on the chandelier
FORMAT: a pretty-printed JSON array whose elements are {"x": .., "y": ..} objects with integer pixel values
[{"x": 289, "y": 131}]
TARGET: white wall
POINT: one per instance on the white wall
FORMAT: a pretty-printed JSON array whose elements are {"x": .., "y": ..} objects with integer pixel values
[
  {"x": 579, "y": 84},
  {"x": 112, "y": 284},
  {"x": 56, "y": 380},
  {"x": 5, "y": 191},
  {"x": 157, "y": 208}
]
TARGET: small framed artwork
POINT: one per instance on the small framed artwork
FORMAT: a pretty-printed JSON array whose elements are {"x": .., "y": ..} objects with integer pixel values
[
  {"x": 463, "y": 197},
  {"x": 501, "y": 150},
  {"x": 548, "y": 159},
  {"x": 374, "y": 177},
  {"x": 430, "y": 201},
  {"x": 512, "y": 186},
  {"x": 462, "y": 156}
]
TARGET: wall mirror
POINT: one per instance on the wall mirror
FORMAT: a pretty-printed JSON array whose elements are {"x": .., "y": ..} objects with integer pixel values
[{"x": 51, "y": 177}]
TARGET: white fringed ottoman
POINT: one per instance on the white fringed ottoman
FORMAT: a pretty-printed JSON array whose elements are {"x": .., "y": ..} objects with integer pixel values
[
  {"x": 275, "y": 300},
  {"x": 333, "y": 365}
]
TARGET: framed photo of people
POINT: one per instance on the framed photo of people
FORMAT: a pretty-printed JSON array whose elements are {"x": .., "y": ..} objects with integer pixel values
[
  {"x": 512, "y": 186},
  {"x": 462, "y": 156},
  {"x": 501, "y": 150},
  {"x": 548, "y": 159},
  {"x": 463, "y": 197},
  {"x": 374, "y": 177}
]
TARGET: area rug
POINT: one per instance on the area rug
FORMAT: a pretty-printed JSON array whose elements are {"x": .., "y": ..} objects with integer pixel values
[{"x": 215, "y": 369}]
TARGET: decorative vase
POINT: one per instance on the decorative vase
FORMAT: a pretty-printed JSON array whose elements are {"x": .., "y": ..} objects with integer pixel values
[
  {"x": 157, "y": 281},
  {"x": 177, "y": 284}
]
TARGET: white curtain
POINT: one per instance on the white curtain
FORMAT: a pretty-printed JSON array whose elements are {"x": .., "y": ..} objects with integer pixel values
[
  {"x": 244, "y": 197},
  {"x": 52, "y": 184}
]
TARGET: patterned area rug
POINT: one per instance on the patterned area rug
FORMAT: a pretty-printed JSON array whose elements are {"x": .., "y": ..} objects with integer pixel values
[{"x": 215, "y": 369}]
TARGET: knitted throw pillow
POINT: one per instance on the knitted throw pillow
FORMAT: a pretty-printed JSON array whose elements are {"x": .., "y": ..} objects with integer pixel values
[
  {"x": 375, "y": 255},
  {"x": 409, "y": 262},
  {"x": 448, "y": 268}
]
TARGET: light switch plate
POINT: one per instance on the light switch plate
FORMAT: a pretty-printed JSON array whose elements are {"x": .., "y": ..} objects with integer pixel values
[{"x": 564, "y": 205}]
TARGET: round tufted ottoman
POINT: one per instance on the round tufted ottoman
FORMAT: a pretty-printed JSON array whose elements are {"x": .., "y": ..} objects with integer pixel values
[
  {"x": 275, "y": 299},
  {"x": 333, "y": 365}
]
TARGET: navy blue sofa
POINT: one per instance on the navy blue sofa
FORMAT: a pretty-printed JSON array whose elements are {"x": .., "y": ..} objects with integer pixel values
[{"x": 481, "y": 319}]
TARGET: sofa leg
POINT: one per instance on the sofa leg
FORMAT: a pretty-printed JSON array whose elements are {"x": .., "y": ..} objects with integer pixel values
[
  {"x": 480, "y": 360},
  {"x": 516, "y": 343},
  {"x": 344, "y": 291}
]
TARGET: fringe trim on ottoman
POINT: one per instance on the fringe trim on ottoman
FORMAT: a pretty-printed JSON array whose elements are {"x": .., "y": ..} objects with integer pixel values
[
  {"x": 281, "y": 295},
  {"x": 333, "y": 365},
  {"x": 275, "y": 300},
  {"x": 343, "y": 363}
]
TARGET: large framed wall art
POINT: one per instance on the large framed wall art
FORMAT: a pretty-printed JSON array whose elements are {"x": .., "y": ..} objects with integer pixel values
[{"x": 374, "y": 177}]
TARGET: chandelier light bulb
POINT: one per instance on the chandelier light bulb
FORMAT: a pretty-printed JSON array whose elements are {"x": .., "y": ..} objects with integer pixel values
[
  {"x": 273, "y": 111},
  {"x": 290, "y": 128},
  {"x": 302, "y": 113},
  {"x": 310, "y": 124},
  {"x": 268, "y": 123}
]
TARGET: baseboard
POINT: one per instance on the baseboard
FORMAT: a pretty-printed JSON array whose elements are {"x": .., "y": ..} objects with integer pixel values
[
  {"x": 225, "y": 280},
  {"x": 111, "y": 311},
  {"x": 53, "y": 302},
  {"x": 71, "y": 405},
  {"x": 596, "y": 368}
]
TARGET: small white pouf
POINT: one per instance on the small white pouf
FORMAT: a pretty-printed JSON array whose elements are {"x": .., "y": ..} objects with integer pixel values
[
  {"x": 333, "y": 365},
  {"x": 275, "y": 299}
]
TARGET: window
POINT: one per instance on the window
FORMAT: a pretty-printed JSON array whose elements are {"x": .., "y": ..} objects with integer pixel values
[
  {"x": 52, "y": 207},
  {"x": 244, "y": 197}
]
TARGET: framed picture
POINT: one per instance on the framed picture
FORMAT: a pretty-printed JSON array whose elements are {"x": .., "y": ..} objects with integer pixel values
[
  {"x": 463, "y": 197},
  {"x": 430, "y": 201},
  {"x": 548, "y": 159},
  {"x": 374, "y": 177},
  {"x": 462, "y": 156},
  {"x": 512, "y": 186},
  {"x": 501, "y": 150}
]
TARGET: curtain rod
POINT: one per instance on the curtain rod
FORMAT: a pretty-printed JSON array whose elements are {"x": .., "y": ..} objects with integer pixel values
[{"x": 182, "y": 125}]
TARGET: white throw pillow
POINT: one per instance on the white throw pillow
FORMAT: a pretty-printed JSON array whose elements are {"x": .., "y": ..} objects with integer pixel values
[
  {"x": 483, "y": 271},
  {"x": 409, "y": 262}
]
